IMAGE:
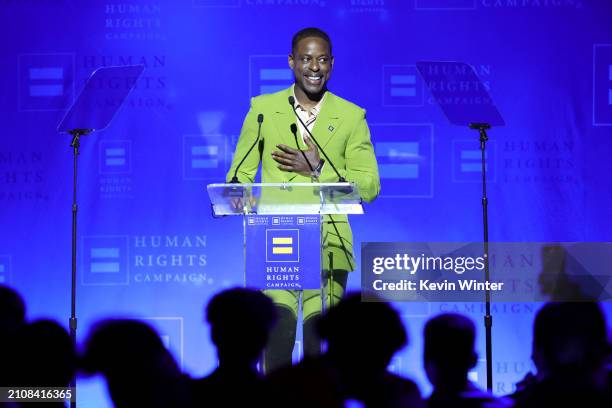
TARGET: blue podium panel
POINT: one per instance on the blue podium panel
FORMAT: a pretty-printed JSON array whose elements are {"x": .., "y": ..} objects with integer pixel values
[{"x": 283, "y": 251}]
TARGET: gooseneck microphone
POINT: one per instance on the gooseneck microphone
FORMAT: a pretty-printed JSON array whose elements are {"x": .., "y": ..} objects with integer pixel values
[
  {"x": 293, "y": 128},
  {"x": 260, "y": 119},
  {"x": 293, "y": 108}
]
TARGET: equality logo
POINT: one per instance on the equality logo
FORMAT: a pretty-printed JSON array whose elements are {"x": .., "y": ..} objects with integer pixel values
[
  {"x": 432, "y": 5},
  {"x": 204, "y": 157},
  {"x": 402, "y": 86},
  {"x": 170, "y": 330},
  {"x": 115, "y": 168},
  {"x": 269, "y": 74},
  {"x": 467, "y": 161},
  {"x": 405, "y": 159},
  {"x": 46, "y": 81},
  {"x": 115, "y": 157},
  {"x": 105, "y": 261},
  {"x": 5, "y": 269},
  {"x": 602, "y": 85},
  {"x": 282, "y": 245}
]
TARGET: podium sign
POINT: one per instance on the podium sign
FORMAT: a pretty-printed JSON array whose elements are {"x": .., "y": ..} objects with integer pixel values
[
  {"x": 282, "y": 227},
  {"x": 283, "y": 251}
]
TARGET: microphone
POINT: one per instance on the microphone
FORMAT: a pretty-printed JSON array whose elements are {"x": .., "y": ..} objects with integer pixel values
[
  {"x": 260, "y": 119},
  {"x": 292, "y": 103},
  {"x": 293, "y": 128}
]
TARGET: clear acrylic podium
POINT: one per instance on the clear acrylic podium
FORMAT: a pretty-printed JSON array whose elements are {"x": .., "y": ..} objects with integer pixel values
[
  {"x": 283, "y": 202},
  {"x": 284, "y": 198}
]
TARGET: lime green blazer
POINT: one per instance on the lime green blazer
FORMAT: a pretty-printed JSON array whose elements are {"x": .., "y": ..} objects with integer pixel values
[{"x": 341, "y": 130}]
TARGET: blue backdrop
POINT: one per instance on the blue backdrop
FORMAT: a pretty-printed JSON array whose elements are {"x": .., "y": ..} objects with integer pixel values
[{"x": 148, "y": 246}]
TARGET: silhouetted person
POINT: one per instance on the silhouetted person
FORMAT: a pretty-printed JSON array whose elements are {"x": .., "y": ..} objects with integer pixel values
[
  {"x": 449, "y": 355},
  {"x": 12, "y": 319},
  {"x": 240, "y": 323},
  {"x": 139, "y": 370},
  {"x": 361, "y": 341},
  {"x": 46, "y": 358},
  {"x": 570, "y": 348}
]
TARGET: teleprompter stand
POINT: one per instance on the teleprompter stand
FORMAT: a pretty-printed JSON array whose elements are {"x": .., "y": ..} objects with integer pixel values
[
  {"x": 90, "y": 112},
  {"x": 465, "y": 102}
]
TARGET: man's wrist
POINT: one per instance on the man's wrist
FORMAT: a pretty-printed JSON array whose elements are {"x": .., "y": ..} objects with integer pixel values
[{"x": 317, "y": 170}]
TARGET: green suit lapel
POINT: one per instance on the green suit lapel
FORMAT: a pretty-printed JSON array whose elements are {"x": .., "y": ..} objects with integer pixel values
[
  {"x": 326, "y": 126},
  {"x": 328, "y": 122}
]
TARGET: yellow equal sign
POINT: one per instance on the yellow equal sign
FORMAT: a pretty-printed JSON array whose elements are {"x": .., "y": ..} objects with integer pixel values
[{"x": 282, "y": 249}]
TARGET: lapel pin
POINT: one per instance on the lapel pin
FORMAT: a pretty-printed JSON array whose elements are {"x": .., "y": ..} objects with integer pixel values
[{"x": 330, "y": 128}]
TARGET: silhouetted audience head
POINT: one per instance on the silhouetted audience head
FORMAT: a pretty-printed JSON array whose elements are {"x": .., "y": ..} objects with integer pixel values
[
  {"x": 570, "y": 347},
  {"x": 569, "y": 336},
  {"x": 449, "y": 348},
  {"x": 12, "y": 319},
  {"x": 362, "y": 338},
  {"x": 240, "y": 320},
  {"x": 46, "y": 355},
  {"x": 139, "y": 370},
  {"x": 12, "y": 311},
  {"x": 366, "y": 333},
  {"x": 449, "y": 355}
]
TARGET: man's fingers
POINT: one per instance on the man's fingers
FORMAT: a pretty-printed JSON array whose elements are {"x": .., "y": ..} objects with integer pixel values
[
  {"x": 284, "y": 155},
  {"x": 309, "y": 142},
  {"x": 287, "y": 149},
  {"x": 282, "y": 159},
  {"x": 285, "y": 168}
]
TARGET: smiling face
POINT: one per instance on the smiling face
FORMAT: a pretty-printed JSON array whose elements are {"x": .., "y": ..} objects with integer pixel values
[{"x": 312, "y": 63}]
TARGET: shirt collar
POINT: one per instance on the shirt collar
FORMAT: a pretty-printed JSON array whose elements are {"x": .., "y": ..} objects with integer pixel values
[{"x": 315, "y": 109}]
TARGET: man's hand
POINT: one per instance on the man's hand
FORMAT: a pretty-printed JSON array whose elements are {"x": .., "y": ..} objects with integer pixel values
[{"x": 290, "y": 159}]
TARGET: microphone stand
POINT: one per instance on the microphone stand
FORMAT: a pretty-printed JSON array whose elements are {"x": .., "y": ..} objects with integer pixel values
[
  {"x": 72, "y": 323},
  {"x": 260, "y": 119},
  {"x": 293, "y": 128},
  {"x": 488, "y": 318}
]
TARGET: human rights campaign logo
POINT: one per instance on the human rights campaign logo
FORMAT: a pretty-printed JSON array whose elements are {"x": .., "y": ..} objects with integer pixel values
[
  {"x": 46, "y": 81},
  {"x": 269, "y": 74},
  {"x": 282, "y": 245},
  {"x": 467, "y": 161},
  {"x": 204, "y": 157},
  {"x": 432, "y": 5},
  {"x": 115, "y": 156},
  {"x": 402, "y": 86},
  {"x": 602, "y": 85},
  {"x": 5, "y": 269},
  {"x": 170, "y": 330},
  {"x": 405, "y": 159},
  {"x": 105, "y": 261}
]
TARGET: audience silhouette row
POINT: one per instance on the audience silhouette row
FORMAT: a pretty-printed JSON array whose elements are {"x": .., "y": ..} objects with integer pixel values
[{"x": 570, "y": 351}]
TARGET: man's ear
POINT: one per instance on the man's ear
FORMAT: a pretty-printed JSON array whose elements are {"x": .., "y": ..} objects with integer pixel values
[
  {"x": 290, "y": 60},
  {"x": 332, "y": 61}
]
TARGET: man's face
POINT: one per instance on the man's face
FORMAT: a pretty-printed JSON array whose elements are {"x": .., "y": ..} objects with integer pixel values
[{"x": 312, "y": 64}]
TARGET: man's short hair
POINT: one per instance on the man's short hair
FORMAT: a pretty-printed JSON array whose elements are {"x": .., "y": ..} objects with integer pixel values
[
  {"x": 571, "y": 334},
  {"x": 449, "y": 341},
  {"x": 310, "y": 32}
]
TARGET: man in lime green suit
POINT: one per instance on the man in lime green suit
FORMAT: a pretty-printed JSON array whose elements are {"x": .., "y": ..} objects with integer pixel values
[{"x": 341, "y": 130}]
